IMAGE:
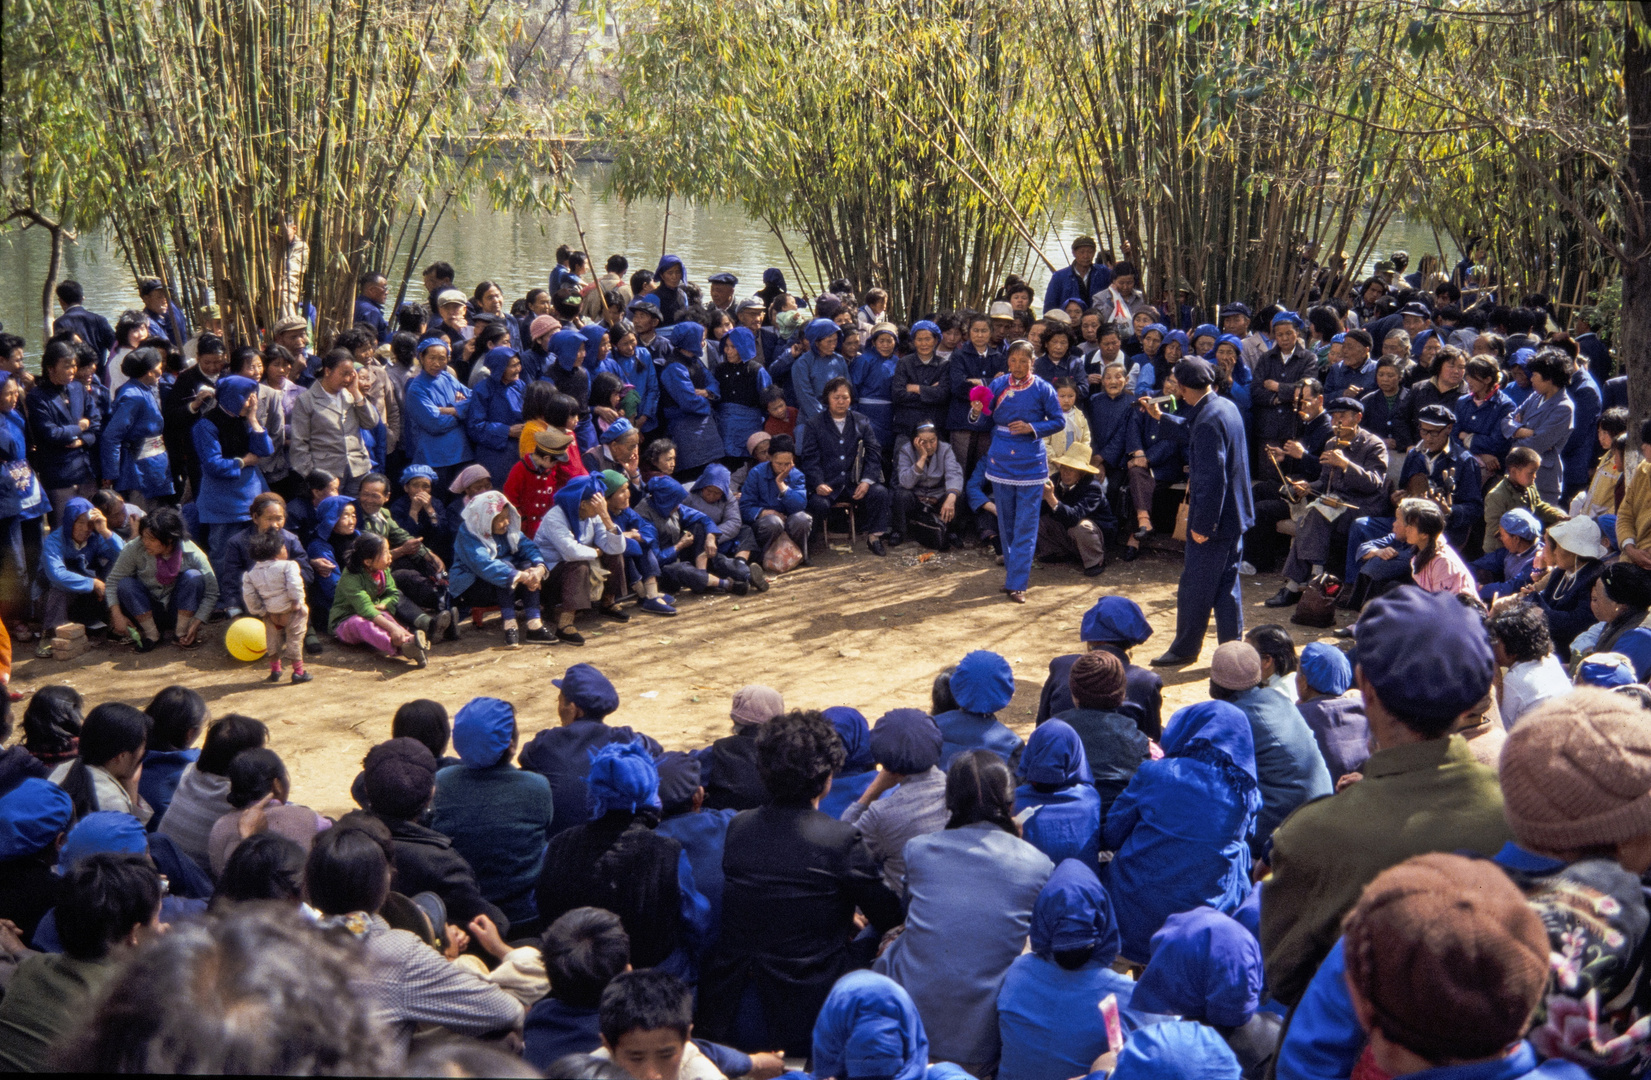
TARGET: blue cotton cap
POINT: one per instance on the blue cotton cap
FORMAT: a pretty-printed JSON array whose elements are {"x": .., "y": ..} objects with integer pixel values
[
  {"x": 1521, "y": 357},
  {"x": 1204, "y": 966},
  {"x": 926, "y": 324},
  {"x": 1177, "y": 1050},
  {"x": 679, "y": 778},
  {"x": 1116, "y": 620},
  {"x": 616, "y": 431},
  {"x": 414, "y": 472},
  {"x": 1074, "y": 911},
  {"x": 1286, "y": 316},
  {"x": 622, "y": 777},
  {"x": 31, "y": 816},
  {"x": 1605, "y": 670},
  {"x": 1426, "y": 655},
  {"x": 589, "y": 689},
  {"x": 482, "y": 731},
  {"x": 1326, "y": 668},
  {"x": 1054, "y": 755},
  {"x": 1521, "y": 523},
  {"x": 983, "y": 682},
  {"x": 723, "y": 278},
  {"x": 103, "y": 831},
  {"x": 906, "y": 741},
  {"x": 431, "y": 343},
  {"x": 851, "y": 728}
]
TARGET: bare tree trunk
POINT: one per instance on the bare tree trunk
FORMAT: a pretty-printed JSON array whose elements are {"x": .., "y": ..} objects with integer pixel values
[{"x": 1634, "y": 340}]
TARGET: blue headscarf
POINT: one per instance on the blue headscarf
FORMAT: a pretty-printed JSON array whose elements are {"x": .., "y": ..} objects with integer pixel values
[
  {"x": 497, "y": 362},
  {"x": 1218, "y": 733},
  {"x": 1177, "y": 1050},
  {"x": 820, "y": 329},
  {"x": 983, "y": 682},
  {"x": 233, "y": 391},
  {"x": 1073, "y": 912},
  {"x": 327, "y": 515},
  {"x": 432, "y": 343},
  {"x": 1054, "y": 755},
  {"x": 31, "y": 816},
  {"x": 1206, "y": 330},
  {"x": 689, "y": 337},
  {"x": 1180, "y": 338},
  {"x": 616, "y": 431},
  {"x": 929, "y": 325},
  {"x": 744, "y": 342},
  {"x": 622, "y": 777},
  {"x": 594, "y": 335},
  {"x": 856, "y": 735},
  {"x": 666, "y": 494},
  {"x": 1163, "y": 332},
  {"x": 75, "y": 509},
  {"x": 566, "y": 345},
  {"x": 1228, "y": 339},
  {"x": 103, "y": 831},
  {"x": 413, "y": 472},
  {"x": 1286, "y": 316},
  {"x": 668, "y": 261},
  {"x": 574, "y": 492},
  {"x": 482, "y": 731},
  {"x": 869, "y": 1026},
  {"x": 1205, "y": 966},
  {"x": 1116, "y": 620}
]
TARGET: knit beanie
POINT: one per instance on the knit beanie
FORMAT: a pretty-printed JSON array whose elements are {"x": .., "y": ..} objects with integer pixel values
[
  {"x": 755, "y": 705},
  {"x": 1236, "y": 666},
  {"x": 400, "y": 777},
  {"x": 1576, "y": 772},
  {"x": 1449, "y": 955},
  {"x": 1097, "y": 681}
]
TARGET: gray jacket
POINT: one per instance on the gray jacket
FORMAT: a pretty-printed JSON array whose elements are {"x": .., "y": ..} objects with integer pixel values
[
  {"x": 324, "y": 435},
  {"x": 939, "y": 477}
]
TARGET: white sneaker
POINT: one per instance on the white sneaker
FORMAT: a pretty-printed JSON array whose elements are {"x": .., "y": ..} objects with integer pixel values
[{"x": 1247, "y": 569}]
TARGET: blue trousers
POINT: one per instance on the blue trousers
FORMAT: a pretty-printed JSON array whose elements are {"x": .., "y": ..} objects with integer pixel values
[
  {"x": 1209, "y": 582},
  {"x": 136, "y": 602},
  {"x": 1017, "y": 518},
  {"x": 1364, "y": 530},
  {"x": 486, "y": 594}
]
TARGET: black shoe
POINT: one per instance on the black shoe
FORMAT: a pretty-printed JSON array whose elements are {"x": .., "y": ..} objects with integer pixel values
[
  {"x": 759, "y": 577},
  {"x": 274, "y": 676},
  {"x": 876, "y": 547},
  {"x": 1094, "y": 571},
  {"x": 893, "y": 539},
  {"x": 312, "y": 644},
  {"x": 611, "y": 611},
  {"x": 1284, "y": 598},
  {"x": 512, "y": 637},
  {"x": 541, "y": 634},
  {"x": 1342, "y": 632},
  {"x": 569, "y": 635},
  {"x": 1172, "y": 660},
  {"x": 1131, "y": 553},
  {"x": 301, "y": 677}
]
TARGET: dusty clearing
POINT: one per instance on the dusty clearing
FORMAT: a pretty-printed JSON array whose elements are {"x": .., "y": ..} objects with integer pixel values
[{"x": 851, "y": 630}]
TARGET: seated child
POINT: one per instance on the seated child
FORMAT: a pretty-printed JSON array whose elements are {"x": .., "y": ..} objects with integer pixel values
[
  {"x": 494, "y": 564},
  {"x": 273, "y": 591},
  {"x": 646, "y": 1018},
  {"x": 368, "y": 609},
  {"x": 1504, "y": 571},
  {"x": 779, "y": 418},
  {"x": 685, "y": 546},
  {"x": 420, "y": 514}
]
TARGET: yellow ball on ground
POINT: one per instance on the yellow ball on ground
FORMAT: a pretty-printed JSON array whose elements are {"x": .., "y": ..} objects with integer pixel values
[{"x": 245, "y": 639}]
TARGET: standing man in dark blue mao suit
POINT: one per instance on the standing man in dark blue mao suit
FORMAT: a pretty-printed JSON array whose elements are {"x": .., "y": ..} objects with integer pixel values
[{"x": 1219, "y": 510}]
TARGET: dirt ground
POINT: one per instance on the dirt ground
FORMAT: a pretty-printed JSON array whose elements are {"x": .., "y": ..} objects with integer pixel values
[{"x": 852, "y": 629}]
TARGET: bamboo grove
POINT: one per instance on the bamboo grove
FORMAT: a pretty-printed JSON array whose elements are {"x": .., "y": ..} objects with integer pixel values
[{"x": 359, "y": 120}]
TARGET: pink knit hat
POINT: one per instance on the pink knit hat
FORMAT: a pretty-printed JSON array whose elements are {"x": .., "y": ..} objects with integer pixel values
[{"x": 542, "y": 327}]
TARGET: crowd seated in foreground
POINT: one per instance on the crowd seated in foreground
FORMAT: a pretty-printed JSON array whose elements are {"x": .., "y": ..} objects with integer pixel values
[
  {"x": 1408, "y": 879},
  {"x": 596, "y": 448}
]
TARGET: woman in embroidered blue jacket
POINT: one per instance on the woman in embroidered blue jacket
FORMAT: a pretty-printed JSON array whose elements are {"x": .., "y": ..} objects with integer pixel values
[
  {"x": 689, "y": 399},
  {"x": 1024, "y": 412},
  {"x": 131, "y": 451},
  {"x": 437, "y": 404},
  {"x": 872, "y": 375},
  {"x": 494, "y": 421}
]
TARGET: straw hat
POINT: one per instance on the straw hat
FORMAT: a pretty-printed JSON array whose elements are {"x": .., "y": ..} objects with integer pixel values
[{"x": 1077, "y": 457}]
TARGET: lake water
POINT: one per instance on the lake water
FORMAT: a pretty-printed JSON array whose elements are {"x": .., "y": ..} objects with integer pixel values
[{"x": 517, "y": 250}]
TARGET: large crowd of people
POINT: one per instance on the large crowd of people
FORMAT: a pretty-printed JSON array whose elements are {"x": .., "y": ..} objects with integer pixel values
[{"x": 1414, "y": 846}]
